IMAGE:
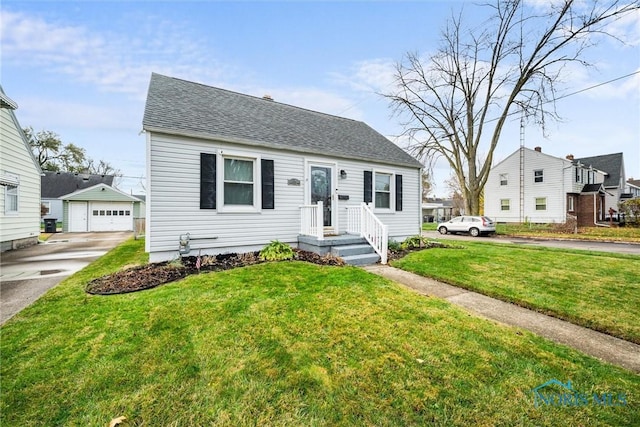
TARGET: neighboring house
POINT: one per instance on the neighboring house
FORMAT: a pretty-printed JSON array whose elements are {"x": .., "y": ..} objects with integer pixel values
[
  {"x": 20, "y": 182},
  {"x": 546, "y": 189},
  {"x": 632, "y": 189},
  {"x": 614, "y": 180},
  {"x": 236, "y": 172},
  {"x": 57, "y": 184},
  {"x": 436, "y": 210},
  {"x": 99, "y": 208}
]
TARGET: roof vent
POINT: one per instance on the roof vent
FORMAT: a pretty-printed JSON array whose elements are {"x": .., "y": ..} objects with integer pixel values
[
  {"x": 267, "y": 97},
  {"x": 569, "y": 156},
  {"x": 538, "y": 149}
]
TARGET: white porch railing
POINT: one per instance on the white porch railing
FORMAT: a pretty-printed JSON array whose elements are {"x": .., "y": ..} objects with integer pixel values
[
  {"x": 361, "y": 220},
  {"x": 312, "y": 220}
]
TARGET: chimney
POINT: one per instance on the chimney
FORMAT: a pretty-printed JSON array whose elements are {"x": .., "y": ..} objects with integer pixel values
[
  {"x": 538, "y": 149},
  {"x": 267, "y": 97},
  {"x": 570, "y": 157}
]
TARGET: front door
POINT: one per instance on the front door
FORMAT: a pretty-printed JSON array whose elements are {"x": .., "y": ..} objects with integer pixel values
[
  {"x": 321, "y": 185},
  {"x": 77, "y": 217}
]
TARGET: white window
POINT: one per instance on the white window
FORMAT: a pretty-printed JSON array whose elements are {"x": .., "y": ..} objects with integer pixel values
[
  {"x": 383, "y": 190},
  {"x": 538, "y": 175},
  {"x": 46, "y": 208},
  {"x": 238, "y": 183},
  {"x": 571, "y": 206},
  {"x": 504, "y": 179},
  {"x": 11, "y": 199},
  {"x": 541, "y": 203},
  {"x": 505, "y": 204}
]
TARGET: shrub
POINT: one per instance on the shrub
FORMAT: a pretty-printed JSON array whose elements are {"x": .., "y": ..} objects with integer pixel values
[
  {"x": 394, "y": 246},
  {"x": 414, "y": 242},
  {"x": 276, "y": 251}
]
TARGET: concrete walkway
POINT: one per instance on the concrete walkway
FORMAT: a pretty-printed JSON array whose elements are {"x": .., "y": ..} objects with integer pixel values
[{"x": 602, "y": 346}]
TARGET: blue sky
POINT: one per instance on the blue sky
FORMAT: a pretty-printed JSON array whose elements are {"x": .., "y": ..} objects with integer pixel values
[{"x": 81, "y": 69}]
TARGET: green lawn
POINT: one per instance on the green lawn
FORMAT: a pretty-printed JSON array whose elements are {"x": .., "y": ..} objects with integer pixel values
[
  {"x": 615, "y": 234},
  {"x": 284, "y": 344},
  {"x": 594, "y": 289}
]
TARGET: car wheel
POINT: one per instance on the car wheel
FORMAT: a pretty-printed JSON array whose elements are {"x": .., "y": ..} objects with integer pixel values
[
  {"x": 442, "y": 230},
  {"x": 474, "y": 232}
]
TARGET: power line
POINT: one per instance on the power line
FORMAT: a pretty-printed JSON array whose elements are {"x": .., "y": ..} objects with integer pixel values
[{"x": 575, "y": 93}]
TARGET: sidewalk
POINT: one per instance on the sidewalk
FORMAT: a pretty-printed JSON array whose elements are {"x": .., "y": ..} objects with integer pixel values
[{"x": 602, "y": 346}]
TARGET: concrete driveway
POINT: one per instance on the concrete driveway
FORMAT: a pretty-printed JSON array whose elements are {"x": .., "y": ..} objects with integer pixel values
[{"x": 26, "y": 274}]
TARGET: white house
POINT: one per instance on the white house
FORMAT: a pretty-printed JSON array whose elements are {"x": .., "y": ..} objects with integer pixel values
[
  {"x": 632, "y": 188},
  {"x": 236, "y": 172},
  {"x": 20, "y": 182},
  {"x": 530, "y": 185}
]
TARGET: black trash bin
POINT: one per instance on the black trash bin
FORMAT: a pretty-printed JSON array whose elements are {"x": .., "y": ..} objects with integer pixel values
[{"x": 50, "y": 225}]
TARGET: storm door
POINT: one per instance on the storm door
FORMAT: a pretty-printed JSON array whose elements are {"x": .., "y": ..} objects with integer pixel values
[{"x": 321, "y": 184}]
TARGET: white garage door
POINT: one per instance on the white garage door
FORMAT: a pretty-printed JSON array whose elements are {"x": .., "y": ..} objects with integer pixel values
[{"x": 111, "y": 216}]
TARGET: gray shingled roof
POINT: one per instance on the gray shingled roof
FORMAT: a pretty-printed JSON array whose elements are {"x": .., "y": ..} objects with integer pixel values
[
  {"x": 591, "y": 188},
  {"x": 609, "y": 163},
  {"x": 181, "y": 107},
  {"x": 56, "y": 184}
]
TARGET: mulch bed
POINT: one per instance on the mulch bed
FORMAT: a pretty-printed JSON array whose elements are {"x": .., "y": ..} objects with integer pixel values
[{"x": 155, "y": 274}]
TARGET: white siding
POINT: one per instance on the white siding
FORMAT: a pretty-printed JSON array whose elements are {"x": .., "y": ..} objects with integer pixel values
[
  {"x": 15, "y": 159},
  {"x": 557, "y": 182},
  {"x": 173, "y": 199}
]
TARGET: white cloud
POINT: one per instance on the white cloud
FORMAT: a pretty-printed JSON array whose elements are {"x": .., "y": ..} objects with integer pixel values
[{"x": 109, "y": 60}]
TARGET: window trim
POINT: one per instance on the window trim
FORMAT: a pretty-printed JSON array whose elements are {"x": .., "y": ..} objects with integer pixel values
[
  {"x": 7, "y": 197},
  {"x": 392, "y": 190},
  {"x": 256, "y": 207},
  {"x": 535, "y": 176},
  {"x": 537, "y": 204},
  {"x": 503, "y": 205},
  {"x": 571, "y": 204}
]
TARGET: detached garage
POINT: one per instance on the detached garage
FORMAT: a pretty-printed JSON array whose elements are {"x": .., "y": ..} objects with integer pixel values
[{"x": 98, "y": 208}]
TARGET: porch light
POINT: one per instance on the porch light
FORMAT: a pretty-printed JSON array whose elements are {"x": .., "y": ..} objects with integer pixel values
[{"x": 343, "y": 174}]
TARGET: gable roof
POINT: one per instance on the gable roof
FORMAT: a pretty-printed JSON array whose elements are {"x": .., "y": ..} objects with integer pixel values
[
  {"x": 9, "y": 104},
  {"x": 592, "y": 188},
  {"x": 56, "y": 184},
  {"x": 181, "y": 107},
  {"x": 85, "y": 194},
  {"x": 529, "y": 151},
  {"x": 612, "y": 164}
]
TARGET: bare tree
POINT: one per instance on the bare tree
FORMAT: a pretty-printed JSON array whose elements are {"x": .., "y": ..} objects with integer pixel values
[
  {"x": 53, "y": 155},
  {"x": 455, "y": 104},
  {"x": 426, "y": 185}
]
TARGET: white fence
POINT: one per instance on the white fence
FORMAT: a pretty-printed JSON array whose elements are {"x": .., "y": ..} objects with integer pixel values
[
  {"x": 361, "y": 220},
  {"x": 312, "y": 220}
]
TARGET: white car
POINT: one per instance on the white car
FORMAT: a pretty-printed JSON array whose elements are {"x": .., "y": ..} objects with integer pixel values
[{"x": 474, "y": 225}]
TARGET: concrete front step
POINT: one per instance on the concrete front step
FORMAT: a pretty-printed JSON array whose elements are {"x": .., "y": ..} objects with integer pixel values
[
  {"x": 348, "y": 250},
  {"x": 362, "y": 259},
  {"x": 353, "y": 249}
]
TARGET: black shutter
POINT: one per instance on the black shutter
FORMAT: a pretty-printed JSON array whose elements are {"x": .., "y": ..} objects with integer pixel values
[
  {"x": 268, "y": 194},
  {"x": 207, "y": 181},
  {"x": 368, "y": 181},
  {"x": 398, "y": 192}
]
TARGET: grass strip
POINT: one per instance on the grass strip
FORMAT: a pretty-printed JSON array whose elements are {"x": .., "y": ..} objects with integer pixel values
[{"x": 597, "y": 290}]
